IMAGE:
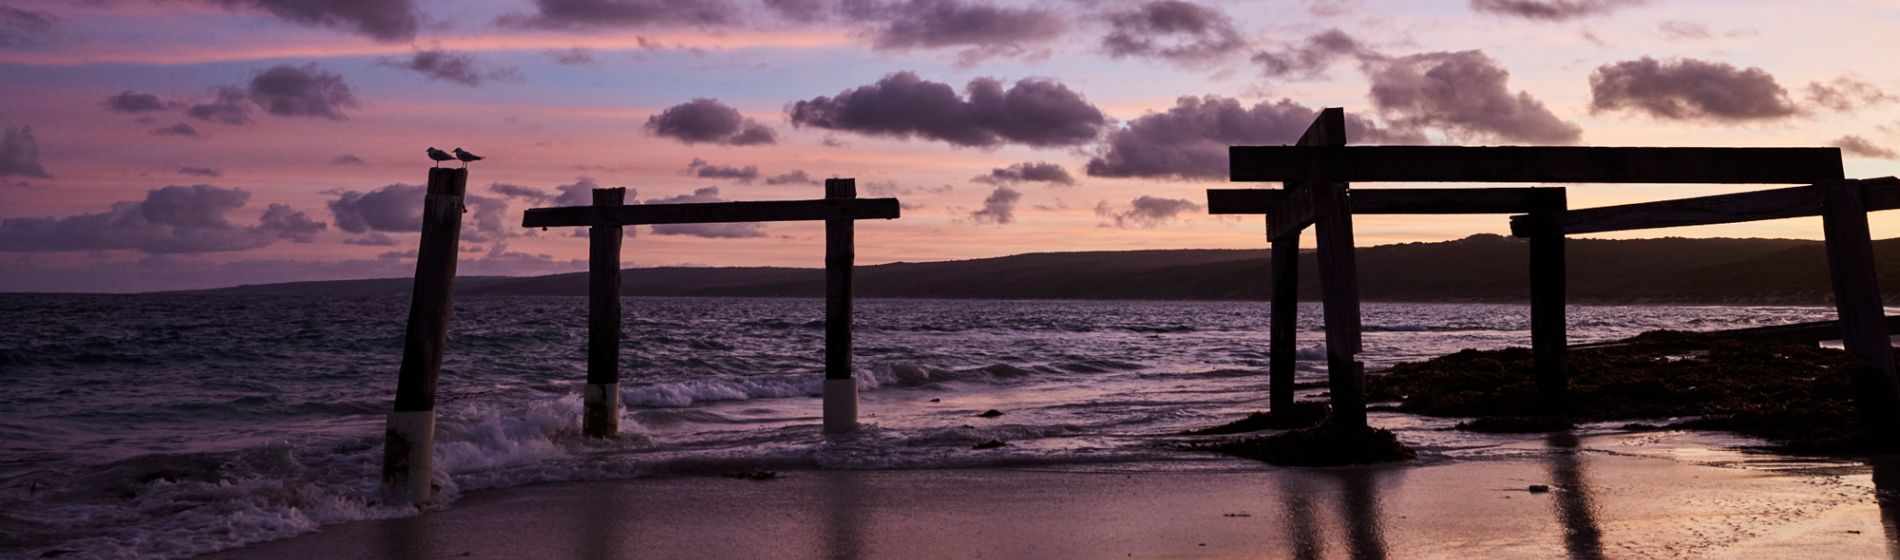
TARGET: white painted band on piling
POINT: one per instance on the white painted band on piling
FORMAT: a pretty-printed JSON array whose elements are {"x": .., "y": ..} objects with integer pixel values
[
  {"x": 841, "y": 406},
  {"x": 602, "y": 405},
  {"x": 417, "y": 430}
]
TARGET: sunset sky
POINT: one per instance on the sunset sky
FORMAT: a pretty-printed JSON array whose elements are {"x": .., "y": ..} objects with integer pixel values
[{"x": 166, "y": 144}]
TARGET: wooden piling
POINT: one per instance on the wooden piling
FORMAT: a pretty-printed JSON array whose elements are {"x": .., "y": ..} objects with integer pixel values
[
  {"x": 1548, "y": 323},
  {"x": 1284, "y": 316},
  {"x": 840, "y": 391},
  {"x": 1857, "y": 299},
  {"x": 601, "y": 415},
  {"x": 409, "y": 438},
  {"x": 1339, "y": 277}
]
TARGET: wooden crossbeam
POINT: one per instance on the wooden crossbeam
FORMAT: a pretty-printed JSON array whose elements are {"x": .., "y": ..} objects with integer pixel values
[
  {"x": 1389, "y": 201},
  {"x": 714, "y": 212},
  {"x": 1535, "y": 164},
  {"x": 1793, "y": 202}
]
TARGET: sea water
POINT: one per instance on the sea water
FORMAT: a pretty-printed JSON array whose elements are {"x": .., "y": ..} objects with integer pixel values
[{"x": 174, "y": 425}]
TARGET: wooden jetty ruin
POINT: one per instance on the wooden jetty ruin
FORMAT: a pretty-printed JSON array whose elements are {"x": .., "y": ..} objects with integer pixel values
[
  {"x": 1316, "y": 176},
  {"x": 406, "y": 474}
]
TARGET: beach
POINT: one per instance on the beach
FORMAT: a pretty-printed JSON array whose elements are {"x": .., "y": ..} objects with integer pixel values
[{"x": 1610, "y": 496}]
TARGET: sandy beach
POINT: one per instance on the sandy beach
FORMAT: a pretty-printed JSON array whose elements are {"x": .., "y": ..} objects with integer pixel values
[{"x": 1603, "y": 502}]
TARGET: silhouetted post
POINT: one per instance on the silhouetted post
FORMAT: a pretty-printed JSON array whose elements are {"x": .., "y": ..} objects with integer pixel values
[
  {"x": 1284, "y": 316},
  {"x": 1339, "y": 278},
  {"x": 1548, "y": 324},
  {"x": 409, "y": 439},
  {"x": 1850, "y": 262},
  {"x": 601, "y": 416},
  {"x": 841, "y": 391}
]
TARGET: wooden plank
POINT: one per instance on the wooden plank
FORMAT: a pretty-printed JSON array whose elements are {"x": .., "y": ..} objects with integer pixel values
[
  {"x": 1293, "y": 213},
  {"x": 601, "y": 414},
  {"x": 1773, "y": 204},
  {"x": 1533, "y": 164},
  {"x": 1857, "y": 301},
  {"x": 409, "y": 437},
  {"x": 1548, "y": 322},
  {"x": 1284, "y": 321},
  {"x": 714, "y": 212},
  {"x": 1331, "y": 214},
  {"x": 841, "y": 396},
  {"x": 1508, "y": 200}
]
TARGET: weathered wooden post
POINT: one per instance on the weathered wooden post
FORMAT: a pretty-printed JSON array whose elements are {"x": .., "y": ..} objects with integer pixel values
[
  {"x": 1284, "y": 318},
  {"x": 601, "y": 399},
  {"x": 841, "y": 391},
  {"x": 409, "y": 439},
  {"x": 1338, "y": 277},
  {"x": 1548, "y": 324},
  {"x": 1857, "y": 300}
]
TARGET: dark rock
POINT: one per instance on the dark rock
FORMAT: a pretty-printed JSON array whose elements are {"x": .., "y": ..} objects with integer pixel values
[
  {"x": 991, "y": 444},
  {"x": 1303, "y": 414},
  {"x": 991, "y": 413},
  {"x": 1326, "y": 445},
  {"x": 1538, "y": 488},
  {"x": 755, "y": 474}
]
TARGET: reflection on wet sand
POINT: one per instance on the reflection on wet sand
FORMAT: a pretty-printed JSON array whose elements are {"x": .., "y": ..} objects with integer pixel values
[
  {"x": 844, "y": 518},
  {"x": 1886, "y": 475},
  {"x": 1583, "y": 539},
  {"x": 1357, "y": 503}
]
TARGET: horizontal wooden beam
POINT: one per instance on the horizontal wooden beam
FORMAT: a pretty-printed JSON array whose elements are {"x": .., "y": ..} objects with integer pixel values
[
  {"x": 1293, "y": 212},
  {"x": 1535, "y": 164},
  {"x": 1774, "y": 204},
  {"x": 1512, "y": 200},
  {"x": 714, "y": 212}
]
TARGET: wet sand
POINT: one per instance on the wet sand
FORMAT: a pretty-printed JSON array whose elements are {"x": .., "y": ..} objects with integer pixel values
[{"x": 1602, "y": 503}]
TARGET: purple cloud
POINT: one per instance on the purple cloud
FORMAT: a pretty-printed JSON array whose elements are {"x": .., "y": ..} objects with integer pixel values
[{"x": 1032, "y": 112}]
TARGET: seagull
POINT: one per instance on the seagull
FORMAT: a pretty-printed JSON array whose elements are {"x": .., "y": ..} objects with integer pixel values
[
  {"x": 439, "y": 156},
  {"x": 466, "y": 157}
]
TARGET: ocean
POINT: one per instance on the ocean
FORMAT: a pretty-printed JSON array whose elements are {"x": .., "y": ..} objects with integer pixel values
[{"x": 167, "y": 426}]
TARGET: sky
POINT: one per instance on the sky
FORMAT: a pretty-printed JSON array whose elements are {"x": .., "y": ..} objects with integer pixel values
[{"x": 175, "y": 144}]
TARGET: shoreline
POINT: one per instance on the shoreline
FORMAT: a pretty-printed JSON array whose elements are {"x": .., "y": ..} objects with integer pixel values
[{"x": 1669, "y": 501}]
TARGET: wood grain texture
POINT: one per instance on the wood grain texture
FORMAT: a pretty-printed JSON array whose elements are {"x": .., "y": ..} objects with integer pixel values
[
  {"x": 428, "y": 327},
  {"x": 840, "y": 254},
  {"x": 1534, "y": 164},
  {"x": 1773, "y": 204}
]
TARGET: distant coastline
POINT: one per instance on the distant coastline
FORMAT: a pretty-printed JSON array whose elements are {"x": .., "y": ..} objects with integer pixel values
[{"x": 1481, "y": 268}]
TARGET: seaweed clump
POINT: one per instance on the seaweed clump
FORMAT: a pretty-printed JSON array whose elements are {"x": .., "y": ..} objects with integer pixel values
[
  {"x": 1798, "y": 396},
  {"x": 1326, "y": 445},
  {"x": 1303, "y": 414}
]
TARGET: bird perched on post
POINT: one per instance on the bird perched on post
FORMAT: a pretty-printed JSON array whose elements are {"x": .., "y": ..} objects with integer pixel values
[
  {"x": 466, "y": 157},
  {"x": 439, "y": 156}
]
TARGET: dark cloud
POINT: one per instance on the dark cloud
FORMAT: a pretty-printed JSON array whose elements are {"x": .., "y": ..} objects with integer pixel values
[
  {"x": 1465, "y": 94},
  {"x": 130, "y": 102},
  {"x": 1144, "y": 212},
  {"x": 290, "y": 224},
  {"x": 397, "y": 208},
  {"x": 1180, "y": 32},
  {"x": 572, "y": 57},
  {"x": 1034, "y": 112},
  {"x": 800, "y": 10},
  {"x": 1862, "y": 147},
  {"x": 581, "y": 193},
  {"x": 999, "y": 207},
  {"x": 1311, "y": 57},
  {"x": 173, "y": 219},
  {"x": 1689, "y": 89},
  {"x": 383, "y": 20},
  {"x": 301, "y": 91},
  {"x": 717, "y": 231},
  {"x": 229, "y": 105},
  {"x": 794, "y": 177},
  {"x": 985, "y": 30},
  {"x": 20, "y": 153},
  {"x": 346, "y": 159},
  {"x": 623, "y": 13},
  {"x": 699, "y": 168},
  {"x": 449, "y": 66},
  {"x": 200, "y": 172},
  {"x": 1190, "y": 140},
  {"x": 20, "y": 26},
  {"x": 1028, "y": 172},
  {"x": 1846, "y": 94},
  {"x": 180, "y": 129},
  {"x": 708, "y": 121},
  {"x": 1552, "y": 10},
  {"x": 529, "y": 194}
]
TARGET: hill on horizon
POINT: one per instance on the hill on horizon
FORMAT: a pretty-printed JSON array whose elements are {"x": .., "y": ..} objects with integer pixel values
[{"x": 1480, "y": 268}]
